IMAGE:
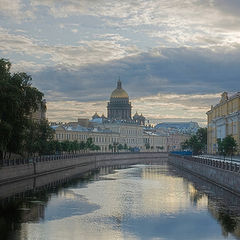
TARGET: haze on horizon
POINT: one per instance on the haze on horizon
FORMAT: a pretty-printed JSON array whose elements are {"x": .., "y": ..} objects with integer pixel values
[{"x": 174, "y": 58}]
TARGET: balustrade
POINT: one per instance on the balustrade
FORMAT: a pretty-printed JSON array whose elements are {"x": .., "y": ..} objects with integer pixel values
[{"x": 229, "y": 166}]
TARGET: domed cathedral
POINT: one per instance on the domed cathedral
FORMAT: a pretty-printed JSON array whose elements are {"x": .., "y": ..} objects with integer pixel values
[{"x": 119, "y": 106}]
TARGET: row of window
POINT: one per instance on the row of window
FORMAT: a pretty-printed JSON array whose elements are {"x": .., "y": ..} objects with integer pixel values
[
  {"x": 221, "y": 132},
  {"x": 227, "y": 108},
  {"x": 68, "y": 136},
  {"x": 96, "y": 139},
  {"x": 131, "y": 131}
]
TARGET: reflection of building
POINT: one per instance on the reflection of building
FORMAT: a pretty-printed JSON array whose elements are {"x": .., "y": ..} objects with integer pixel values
[
  {"x": 223, "y": 120},
  {"x": 34, "y": 213},
  {"x": 119, "y": 106}
]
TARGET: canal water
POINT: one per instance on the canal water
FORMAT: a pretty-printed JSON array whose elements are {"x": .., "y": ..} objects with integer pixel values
[{"x": 138, "y": 202}]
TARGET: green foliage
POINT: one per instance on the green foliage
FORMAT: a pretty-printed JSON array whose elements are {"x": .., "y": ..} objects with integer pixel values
[
  {"x": 110, "y": 147},
  {"x": 197, "y": 143},
  {"x": 19, "y": 134},
  {"x": 17, "y": 100},
  {"x": 89, "y": 144},
  {"x": 227, "y": 146},
  {"x": 71, "y": 146},
  {"x": 115, "y": 145},
  {"x": 120, "y": 147},
  {"x": 159, "y": 148},
  {"x": 39, "y": 138},
  {"x": 220, "y": 147},
  {"x": 147, "y": 145},
  {"x": 202, "y": 136}
]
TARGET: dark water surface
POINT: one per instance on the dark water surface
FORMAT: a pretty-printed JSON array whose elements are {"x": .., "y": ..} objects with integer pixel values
[{"x": 140, "y": 202}]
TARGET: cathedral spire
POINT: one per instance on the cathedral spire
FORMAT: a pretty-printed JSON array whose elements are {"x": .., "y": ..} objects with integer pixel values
[{"x": 119, "y": 84}]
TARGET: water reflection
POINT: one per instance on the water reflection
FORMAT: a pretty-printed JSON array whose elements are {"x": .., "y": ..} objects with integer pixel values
[{"x": 141, "y": 202}]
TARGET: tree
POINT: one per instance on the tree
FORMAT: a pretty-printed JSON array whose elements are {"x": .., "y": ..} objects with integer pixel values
[
  {"x": 115, "y": 144},
  {"x": 89, "y": 144},
  {"x": 197, "y": 143},
  {"x": 159, "y": 148},
  {"x": 120, "y": 147},
  {"x": 17, "y": 100},
  {"x": 5, "y": 130},
  {"x": 147, "y": 145},
  {"x": 229, "y": 145},
  {"x": 38, "y": 138},
  {"x": 202, "y": 136},
  {"x": 110, "y": 147},
  {"x": 221, "y": 150},
  {"x": 82, "y": 145},
  {"x": 65, "y": 145}
]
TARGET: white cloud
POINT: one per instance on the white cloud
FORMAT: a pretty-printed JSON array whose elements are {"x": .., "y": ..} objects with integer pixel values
[
  {"x": 85, "y": 52},
  {"x": 16, "y": 9},
  {"x": 29, "y": 66},
  {"x": 177, "y": 22},
  {"x": 160, "y": 107}
]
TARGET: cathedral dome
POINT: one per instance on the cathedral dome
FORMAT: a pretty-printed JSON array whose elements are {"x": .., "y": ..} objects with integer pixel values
[{"x": 119, "y": 92}]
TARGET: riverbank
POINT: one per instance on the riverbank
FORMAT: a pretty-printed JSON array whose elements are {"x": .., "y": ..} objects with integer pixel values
[
  {"x": 84, "y": 163},
  {"x": 221, "y": 173}
]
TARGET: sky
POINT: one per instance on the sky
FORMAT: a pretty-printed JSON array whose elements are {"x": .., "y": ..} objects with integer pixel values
[{"x": 174, "y": 58}]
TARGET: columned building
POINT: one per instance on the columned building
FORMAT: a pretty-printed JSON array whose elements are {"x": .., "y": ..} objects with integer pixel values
[
  {"x": 224, "y": 120},
  {"x": 119, "y": 106}
]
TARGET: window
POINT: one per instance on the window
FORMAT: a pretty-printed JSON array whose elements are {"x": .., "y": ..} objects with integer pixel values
[{"x": 234, "y": 128}]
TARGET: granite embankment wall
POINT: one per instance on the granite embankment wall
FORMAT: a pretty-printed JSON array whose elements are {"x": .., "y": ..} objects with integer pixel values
[
  {"x": 84, "y": 163},
  {"x": 223, "y": 174}
]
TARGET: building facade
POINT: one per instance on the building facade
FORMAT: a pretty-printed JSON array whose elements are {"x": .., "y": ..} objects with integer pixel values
[
  {"x": 100, "y": 137},
  {"x": 223, "y": 120},
  {"x": 118, "y": 128},
  {"x": 154, "y": 142}
]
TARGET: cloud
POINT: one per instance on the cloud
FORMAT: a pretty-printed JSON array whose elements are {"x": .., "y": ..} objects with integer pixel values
[
  {"x": 176, "y": 22},
  {"x": 16, "y": 9},
  {"x": 180, "y": 71},
  {"x": 30, "y": 66},
  {"x": 156, "y": 108},
  {"x": 180, "y": 47},
  {"x": 67, "y": 56}
]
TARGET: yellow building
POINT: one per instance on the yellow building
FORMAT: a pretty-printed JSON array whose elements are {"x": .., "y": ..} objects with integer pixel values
[
  {"x": 224, "y": 120},
  {"x": 100, "y": 137},
  {"x": 154, "y": 142},
  {"x": 129, "y": 133}
]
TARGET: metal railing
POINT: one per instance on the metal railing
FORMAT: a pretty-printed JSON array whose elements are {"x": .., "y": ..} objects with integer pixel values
[
  {"x": 44, "y": 158},
  {"x": 225, "y": 165}
]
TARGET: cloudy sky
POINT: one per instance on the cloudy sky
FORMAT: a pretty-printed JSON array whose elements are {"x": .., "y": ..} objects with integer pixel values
[{"x": 174, "y": 57}]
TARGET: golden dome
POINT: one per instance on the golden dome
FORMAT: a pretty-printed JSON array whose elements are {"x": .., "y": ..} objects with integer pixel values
[{"x": 119, "y": 92}]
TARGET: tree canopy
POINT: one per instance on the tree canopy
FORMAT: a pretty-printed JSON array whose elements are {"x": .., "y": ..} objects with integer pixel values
[
  {"x": 18, "y": 99},
  {"x": 227, "y": 146},
  {"x": 198, "y": 142}
]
